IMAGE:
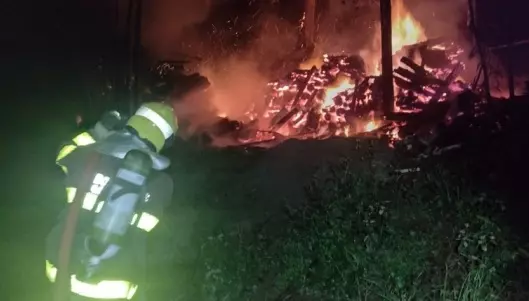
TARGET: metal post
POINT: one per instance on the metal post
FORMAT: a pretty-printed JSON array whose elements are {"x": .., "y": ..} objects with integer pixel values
[{"x": 387, "y": 58}]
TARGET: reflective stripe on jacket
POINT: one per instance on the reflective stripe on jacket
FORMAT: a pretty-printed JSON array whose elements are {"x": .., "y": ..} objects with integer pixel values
[{"x": 85, "y": 138}]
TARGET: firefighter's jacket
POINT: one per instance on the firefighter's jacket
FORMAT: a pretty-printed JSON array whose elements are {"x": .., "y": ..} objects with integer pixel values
[
  {"x": 97, "y": 133},
  {"x": 103, "y": 159}
]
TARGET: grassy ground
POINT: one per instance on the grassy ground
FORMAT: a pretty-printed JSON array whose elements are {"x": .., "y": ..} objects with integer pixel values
[
  {"x": 235, "y": 188},
  {"x": 243, "y": 228},
  {"x": 359, "y": 235},
  {"x": 362, "y": 238}
]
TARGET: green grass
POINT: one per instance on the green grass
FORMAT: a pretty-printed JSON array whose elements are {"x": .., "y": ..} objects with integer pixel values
[{"x": 423, "y": 236}]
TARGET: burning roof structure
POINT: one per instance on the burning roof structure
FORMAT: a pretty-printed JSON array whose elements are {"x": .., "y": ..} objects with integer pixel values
[
  {"x": 340, "y": 99},
  {"x": 340, "y": 94}
]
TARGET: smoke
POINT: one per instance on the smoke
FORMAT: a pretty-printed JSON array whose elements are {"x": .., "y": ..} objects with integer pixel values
[
  {"x": 440, "y": 18},
  {"x": 165, "y": 22},
  {"x": 275, "y": 41},
  {"x": 351, "y": 25},
  {"x": 238, "y": 74},
  {"x": 238, "y": 80},
  {"x": 447, "y": 19},
  {"x": 346, "y": 26},
  {"x": 236, "y": 86}
]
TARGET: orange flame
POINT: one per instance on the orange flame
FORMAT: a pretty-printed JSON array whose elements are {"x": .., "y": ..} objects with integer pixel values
[
  {"x": 342, "y": 84},
  {"x": 405, "y": 31},
  {"x": 404, "y": 28},
  {"x": 371, "y": 126}
]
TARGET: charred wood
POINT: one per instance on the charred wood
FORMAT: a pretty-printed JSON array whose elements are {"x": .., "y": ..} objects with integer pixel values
[{"x": 444, "y": 87}]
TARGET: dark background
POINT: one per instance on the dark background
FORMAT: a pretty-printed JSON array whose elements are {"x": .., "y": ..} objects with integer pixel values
[{"x": 47, "y": 48}]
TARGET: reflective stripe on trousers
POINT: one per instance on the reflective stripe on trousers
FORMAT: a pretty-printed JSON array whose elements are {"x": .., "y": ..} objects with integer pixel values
[{"x": 106, "y": 289}]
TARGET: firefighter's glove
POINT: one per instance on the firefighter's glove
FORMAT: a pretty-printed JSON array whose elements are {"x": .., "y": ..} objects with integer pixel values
[{"x": 113, "y": 120}]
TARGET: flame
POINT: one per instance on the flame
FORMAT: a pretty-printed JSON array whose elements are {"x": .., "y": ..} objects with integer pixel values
[
  {"x": 329, "y": 104},
  {"x": 405, "y": 29},
  {"x": 371, "y": 126},
  {"x": 342, "y": 84}
]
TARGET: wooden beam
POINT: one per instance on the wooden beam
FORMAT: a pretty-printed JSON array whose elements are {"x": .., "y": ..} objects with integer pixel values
[
  {"x": 472, "y": 9},
  {"x": 510, "y": 45},
  {"x": 387, "y": 58},
  {"x": 310, "y": 23}
]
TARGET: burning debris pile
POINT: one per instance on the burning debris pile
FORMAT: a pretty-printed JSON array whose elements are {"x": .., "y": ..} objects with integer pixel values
[{"x": 341, "y": 99}]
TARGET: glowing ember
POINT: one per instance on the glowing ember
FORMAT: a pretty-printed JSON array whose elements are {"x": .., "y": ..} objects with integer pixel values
[
  {"x": 340, "y": 100},
  {"x": 333, "y": 91},
  {"x": 371, "y": 126},
  {"x": 338, "y": 95}
]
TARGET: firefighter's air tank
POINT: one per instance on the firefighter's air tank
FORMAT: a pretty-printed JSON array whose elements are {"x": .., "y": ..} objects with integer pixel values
[{"x": 121, "y": 198}]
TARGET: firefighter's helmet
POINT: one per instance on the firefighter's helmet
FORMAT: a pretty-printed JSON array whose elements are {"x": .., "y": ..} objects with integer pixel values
[{"x": 154, "y": 122}]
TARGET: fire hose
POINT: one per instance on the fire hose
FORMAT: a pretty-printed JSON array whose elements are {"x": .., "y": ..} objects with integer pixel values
[{"x": 62, "y": 289}]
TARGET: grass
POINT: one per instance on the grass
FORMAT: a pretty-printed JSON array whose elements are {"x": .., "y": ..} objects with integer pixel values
[{"x": 424, "y": 236}]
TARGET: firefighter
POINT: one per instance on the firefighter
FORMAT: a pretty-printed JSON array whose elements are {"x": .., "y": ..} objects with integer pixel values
[{"x": 122, "y": 200}]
